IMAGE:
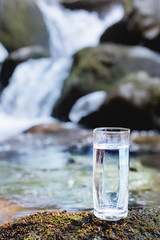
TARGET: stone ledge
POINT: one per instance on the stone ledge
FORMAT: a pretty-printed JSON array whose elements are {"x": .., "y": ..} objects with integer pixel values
[{"x": 140, "y": 224}]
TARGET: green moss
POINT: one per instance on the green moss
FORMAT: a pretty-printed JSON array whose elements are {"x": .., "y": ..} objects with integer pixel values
[
  {"x": 21, "y": 24},
  {"x": 140, "y": 224},
  {"x": 91, "y": 71}
]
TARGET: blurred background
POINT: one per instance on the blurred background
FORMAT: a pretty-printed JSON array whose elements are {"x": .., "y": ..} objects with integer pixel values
[{"x": 67, "y": 67}]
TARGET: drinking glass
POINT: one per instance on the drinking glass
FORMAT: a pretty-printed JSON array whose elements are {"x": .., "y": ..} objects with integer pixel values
[{"x": 110, "y": 172}]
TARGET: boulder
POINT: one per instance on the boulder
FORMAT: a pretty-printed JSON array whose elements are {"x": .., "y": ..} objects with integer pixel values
[
  {"x": 132, "y": 103},
  {"x": 17, "y": 57},
  {"x": 21, "y": 24},
  {"x": 121, "y": 32},
  {"x": 99, "y": 68},
  {"x": 141, "y": 26}
]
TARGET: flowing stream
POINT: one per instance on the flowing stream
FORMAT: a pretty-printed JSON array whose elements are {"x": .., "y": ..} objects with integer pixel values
[
  {"x": 36, "y": 171},
  {"x": 36, "y": 84}
]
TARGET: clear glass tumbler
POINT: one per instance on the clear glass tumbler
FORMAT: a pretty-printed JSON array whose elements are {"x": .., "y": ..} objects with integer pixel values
[{"x": 110, "y": 172}]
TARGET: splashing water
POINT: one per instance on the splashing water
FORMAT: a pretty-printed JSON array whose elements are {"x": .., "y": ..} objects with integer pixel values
[{"x": 85, "y": 106}]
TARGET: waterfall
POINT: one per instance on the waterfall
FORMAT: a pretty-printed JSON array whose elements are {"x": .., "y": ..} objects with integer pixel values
[
  {"x": 36, "y": 84},
  {"x": 43, "y": 79},
  {"x": 72, "y": 30}
]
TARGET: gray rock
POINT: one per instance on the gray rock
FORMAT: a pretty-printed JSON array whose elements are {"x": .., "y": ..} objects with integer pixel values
[
  {"x": 99, "y": 69},
  {"x": 133, "y": 102},
  {"x": 141, "y": 26},
  {"x": 21, "y": 24}
]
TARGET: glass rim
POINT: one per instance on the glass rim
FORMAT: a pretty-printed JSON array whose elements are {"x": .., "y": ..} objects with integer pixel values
[{"x": 111, "y": 130}]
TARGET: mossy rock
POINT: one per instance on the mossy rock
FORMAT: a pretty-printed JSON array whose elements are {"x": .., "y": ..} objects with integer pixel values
[
  {"x": 99, "y": 68},
  {"x": 21, "y": 24},
  {"x": 91, "y": 71},
  {"x": 140, "y": 224}
]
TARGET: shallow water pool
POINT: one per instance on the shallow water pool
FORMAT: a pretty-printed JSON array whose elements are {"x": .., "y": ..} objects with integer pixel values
[{"x": 38, "y": 173}]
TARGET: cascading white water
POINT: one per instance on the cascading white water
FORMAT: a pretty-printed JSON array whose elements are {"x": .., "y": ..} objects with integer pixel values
[
  {"x": 36, "y": 84},
  {"x": 38, "y": 91},
  {"x": 72, "y": 30}
]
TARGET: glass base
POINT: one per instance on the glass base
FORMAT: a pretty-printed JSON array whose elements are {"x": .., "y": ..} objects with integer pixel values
[{"x": 110, "y": 216}]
